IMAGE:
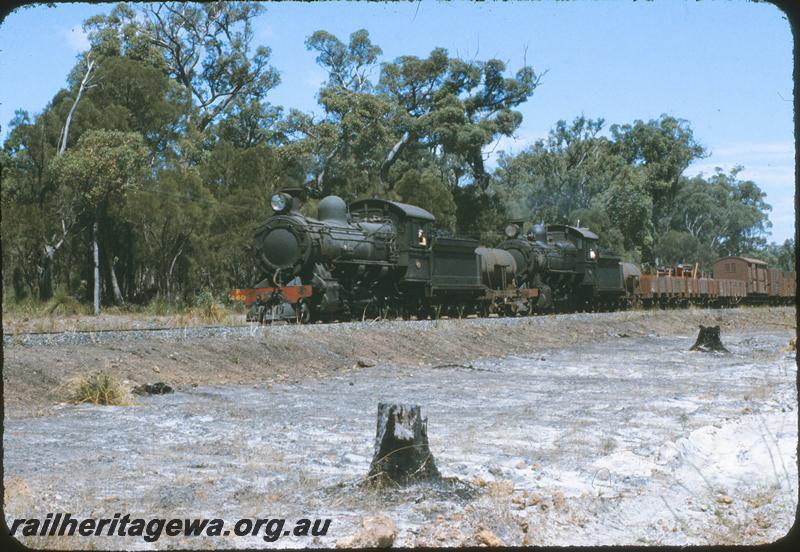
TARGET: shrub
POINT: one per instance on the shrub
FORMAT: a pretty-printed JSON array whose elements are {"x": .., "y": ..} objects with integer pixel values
[
  {"x": 63, "y": 304},
  {"x": 208, "y": 308}
]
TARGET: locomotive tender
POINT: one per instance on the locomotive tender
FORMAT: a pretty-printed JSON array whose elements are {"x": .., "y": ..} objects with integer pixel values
[{"x": 383, "y": 258}]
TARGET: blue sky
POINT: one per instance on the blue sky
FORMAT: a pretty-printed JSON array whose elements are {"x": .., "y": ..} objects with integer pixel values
[{"x": 724, "y": 66}]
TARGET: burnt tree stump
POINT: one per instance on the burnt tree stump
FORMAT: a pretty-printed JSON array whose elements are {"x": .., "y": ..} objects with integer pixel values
[
  {"x": 708, "y": 340},
  {"x": 402, "y": 455}
]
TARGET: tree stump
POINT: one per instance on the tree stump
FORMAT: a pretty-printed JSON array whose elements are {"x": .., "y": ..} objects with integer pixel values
[
  {"x": 708, "y": 340},
  {"x": 402, "y": 455}
]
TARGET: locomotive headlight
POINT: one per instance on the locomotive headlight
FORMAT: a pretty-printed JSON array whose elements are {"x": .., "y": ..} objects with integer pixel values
[
  {"x": 592, "y": 254},
  {"x": 512, "y": 230},
  {"x": 280, "y": 202}
]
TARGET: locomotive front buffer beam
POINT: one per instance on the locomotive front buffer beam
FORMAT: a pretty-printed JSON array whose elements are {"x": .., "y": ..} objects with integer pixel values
[{"x": 274, "y": 304}]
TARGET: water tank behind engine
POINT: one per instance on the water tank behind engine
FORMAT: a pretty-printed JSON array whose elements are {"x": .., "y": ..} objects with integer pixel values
[{"x": 498, "y": 267}]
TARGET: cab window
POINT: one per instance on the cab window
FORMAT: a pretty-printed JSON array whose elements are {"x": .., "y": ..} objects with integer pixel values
[{"x": 420, "y": 236}]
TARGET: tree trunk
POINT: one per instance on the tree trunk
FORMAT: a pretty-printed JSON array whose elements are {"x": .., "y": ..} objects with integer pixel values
[
  {"x": 171, "y": 268},
  {"x": 402, "y": 455},
  {"x": 46, "y": 275},
  {"x": 114, "y": 284},
  {"x": 65, "y": 134},
  {"x": 18, "y": 281},
  {"x": 392, "y": 156},
  {"x": 96, "y": 253},
  {"x": 321, "y": 185}
]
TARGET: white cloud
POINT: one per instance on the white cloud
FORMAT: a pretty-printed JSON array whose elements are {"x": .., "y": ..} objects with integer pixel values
[
  {"x": 768, "y": 164},
  {"x": 265, "y": 32},
  {"x": 76, "y": 39},
  {"x": 755, "y": 150},
  {"x": 763, "y": 175}
]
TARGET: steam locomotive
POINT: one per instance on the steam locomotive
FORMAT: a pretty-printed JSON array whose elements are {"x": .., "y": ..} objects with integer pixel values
[{"x": 381, "y": 258}]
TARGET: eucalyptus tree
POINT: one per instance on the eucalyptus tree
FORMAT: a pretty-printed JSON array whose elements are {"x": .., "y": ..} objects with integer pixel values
[
  {"x": 452, "y": 108},
  {"x": 100, "y": 170},
  {"x": 558, "y": 174},
  {"x": 346, "y": 144},
  {"x": 727, "y": 214},
  {"x": 662, "y": 149},
  {"x": 423, "y": 120},
  {"x": 208, "y": 49}
]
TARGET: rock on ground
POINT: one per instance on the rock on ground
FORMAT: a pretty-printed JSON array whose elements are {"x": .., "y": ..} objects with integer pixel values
[
  {"x": 375, "y": 532},
  {"x": 487, "y": 538}
]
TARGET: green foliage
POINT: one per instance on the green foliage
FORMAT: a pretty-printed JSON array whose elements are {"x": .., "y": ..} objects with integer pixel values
[
  {"x": 781, "y": 256},
  {"x": 478, "y": 215},
  {"x": 661, "y": 149},
  {"x": 428, "y": 190},
  {"x": 724, "y": 215},
  {"x": 348, "y": 65},
  {"x": 207, "y": 50},
  {"x": 453, "y": 108},
  {"x": 103, "y": 166},
  {"x": 631, "y": 191},
  {"x": 169, "y": 216},
  {"x": 598, "y": 220},
  {"x": 560, "y": 174},
  {"x": 174, "y": 151}
]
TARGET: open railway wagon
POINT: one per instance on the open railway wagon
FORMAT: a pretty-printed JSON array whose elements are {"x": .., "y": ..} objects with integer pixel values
[{"x": 681, "y": 286}]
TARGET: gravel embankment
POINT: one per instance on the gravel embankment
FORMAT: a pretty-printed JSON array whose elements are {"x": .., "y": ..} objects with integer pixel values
[{"x": 39, "y": 368}]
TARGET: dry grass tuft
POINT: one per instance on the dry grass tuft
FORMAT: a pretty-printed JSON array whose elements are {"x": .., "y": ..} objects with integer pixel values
[
  {"x": 208, "y": 308},
  {"x": 63, "y": 304},
  {"x": 101, "y": 389},
  {"x": 500, "y": 488},
  {"x": 753, "y": 522}
]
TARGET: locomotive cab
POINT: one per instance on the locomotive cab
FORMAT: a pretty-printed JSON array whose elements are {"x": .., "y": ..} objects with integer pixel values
[
  {"x": 582, "y": 240},
  {"x": 430, "y": 261}
]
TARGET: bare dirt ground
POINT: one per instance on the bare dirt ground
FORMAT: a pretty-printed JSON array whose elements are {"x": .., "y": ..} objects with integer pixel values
[
  {"x": 38, "y": 373},
  {"x": 577, "y": 429}
]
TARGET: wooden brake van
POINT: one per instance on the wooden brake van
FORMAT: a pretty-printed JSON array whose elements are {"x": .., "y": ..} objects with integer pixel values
[{"x": 752, "y": 272}]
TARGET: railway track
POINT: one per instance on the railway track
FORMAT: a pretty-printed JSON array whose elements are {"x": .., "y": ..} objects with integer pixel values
[{"x": 123, "y": 334}]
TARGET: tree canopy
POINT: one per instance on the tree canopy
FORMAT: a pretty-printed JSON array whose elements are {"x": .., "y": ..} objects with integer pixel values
[{"x": 164, "y": 138}]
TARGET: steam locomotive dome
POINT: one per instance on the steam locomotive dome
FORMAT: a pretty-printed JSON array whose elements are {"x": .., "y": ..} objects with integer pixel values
[
  {"x": 332, "y": 209},
  {"x": 282, "y": 243}
]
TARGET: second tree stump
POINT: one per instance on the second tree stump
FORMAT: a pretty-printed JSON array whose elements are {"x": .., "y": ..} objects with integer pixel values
[{"x": 708, "y": 340}]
